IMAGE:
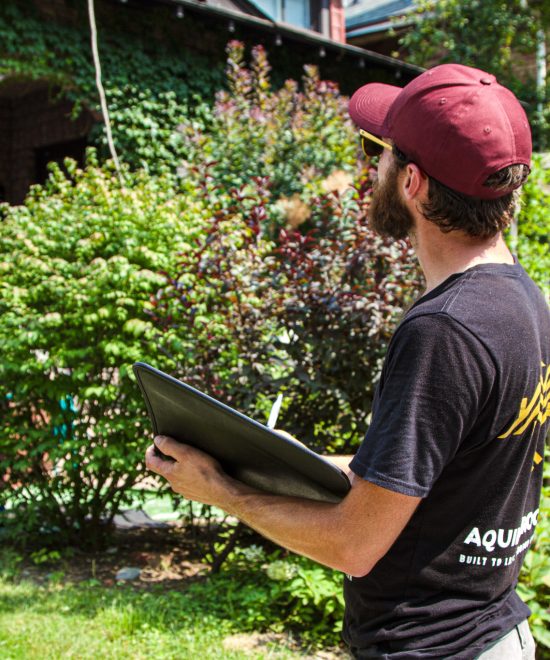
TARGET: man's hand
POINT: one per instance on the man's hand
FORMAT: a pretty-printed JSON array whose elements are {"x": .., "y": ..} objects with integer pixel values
[{"x": 192, "y": 473}]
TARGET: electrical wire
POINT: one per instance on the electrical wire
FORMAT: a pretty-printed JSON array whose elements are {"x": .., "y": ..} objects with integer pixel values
[{"x": 101, "y": 90}]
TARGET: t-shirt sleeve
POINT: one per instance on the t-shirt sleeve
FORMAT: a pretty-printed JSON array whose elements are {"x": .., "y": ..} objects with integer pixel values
[{"x": 436, "y": 379}]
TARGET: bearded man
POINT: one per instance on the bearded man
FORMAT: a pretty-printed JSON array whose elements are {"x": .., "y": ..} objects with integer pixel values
[{"x": 446, "y": 484}]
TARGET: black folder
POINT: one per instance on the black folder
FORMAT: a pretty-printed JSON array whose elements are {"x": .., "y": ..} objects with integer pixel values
[{"x": 246, "y": 449}]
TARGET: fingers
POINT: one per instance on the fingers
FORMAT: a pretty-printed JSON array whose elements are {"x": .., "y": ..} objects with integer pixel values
[
  {"x": 286, "y": 434},
  {"x": 189, "y": 471},
  {"x": 170, "y": 448},
  {"x": 156, "y": 463},
  {"x": 291, "y": 437}
]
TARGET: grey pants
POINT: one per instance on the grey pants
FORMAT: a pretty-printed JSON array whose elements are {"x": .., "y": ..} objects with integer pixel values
[{"x": 518, "y": 644}]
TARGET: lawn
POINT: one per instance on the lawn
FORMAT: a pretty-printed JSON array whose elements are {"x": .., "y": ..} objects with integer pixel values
[
  {"x": 91, "y": 621},
  {"x": 67, "y": 603}
]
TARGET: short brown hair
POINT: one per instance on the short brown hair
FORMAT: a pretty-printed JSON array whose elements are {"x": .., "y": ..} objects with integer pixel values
[{"x": 481, "y": 218}]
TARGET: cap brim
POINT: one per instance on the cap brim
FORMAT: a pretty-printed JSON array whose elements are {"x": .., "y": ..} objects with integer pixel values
[{"x": 369, "y": 105}]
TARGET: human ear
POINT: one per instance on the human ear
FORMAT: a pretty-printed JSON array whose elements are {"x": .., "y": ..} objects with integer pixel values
[{"x": 414, "y": 181}]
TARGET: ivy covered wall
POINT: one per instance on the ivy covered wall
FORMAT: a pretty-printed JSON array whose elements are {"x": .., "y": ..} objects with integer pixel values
[{"x": 158, "y": 71}]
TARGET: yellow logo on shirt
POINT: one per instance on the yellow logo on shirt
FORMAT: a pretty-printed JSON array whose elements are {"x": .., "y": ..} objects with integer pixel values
[{"x": 535, "y": 410}]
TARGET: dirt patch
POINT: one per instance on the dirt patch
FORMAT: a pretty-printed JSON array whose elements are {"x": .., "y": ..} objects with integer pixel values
[
  {"x": 167, "y": 556},
  {"x": 252, "y": 643}
]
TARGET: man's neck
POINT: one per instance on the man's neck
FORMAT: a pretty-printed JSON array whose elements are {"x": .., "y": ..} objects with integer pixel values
[{"x": 442, "y": 255}]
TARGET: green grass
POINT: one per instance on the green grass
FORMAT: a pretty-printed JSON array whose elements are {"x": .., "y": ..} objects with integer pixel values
[{"x": 91, "y": 621}]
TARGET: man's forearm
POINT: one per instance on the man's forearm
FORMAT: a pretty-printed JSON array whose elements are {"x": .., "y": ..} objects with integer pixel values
[
  {"x": 328, "y": 533},
  {"x": 350, "y": 536},
  {"x": 285, "y": 519},
  {"x": 297, "y": 524}
]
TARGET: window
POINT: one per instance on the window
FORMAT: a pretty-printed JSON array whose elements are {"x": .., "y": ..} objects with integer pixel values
[{"x": 295, "y": 12}]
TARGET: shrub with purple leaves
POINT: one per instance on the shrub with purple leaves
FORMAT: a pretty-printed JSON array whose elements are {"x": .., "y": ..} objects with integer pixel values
[
  {"x": 308, "y": 314},
  {"x": 294, "y": 135}
]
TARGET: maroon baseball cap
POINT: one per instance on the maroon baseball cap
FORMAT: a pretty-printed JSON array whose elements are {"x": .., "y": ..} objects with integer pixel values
[{"x": 457, "y": 123}]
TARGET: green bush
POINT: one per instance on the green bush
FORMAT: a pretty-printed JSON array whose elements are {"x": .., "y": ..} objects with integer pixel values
[
  {"x": 532, "y": 242},
  {"x": 534, "y": 586},
  {"x": 280, "y": 592},
  {"x": 79, "y": 263}
]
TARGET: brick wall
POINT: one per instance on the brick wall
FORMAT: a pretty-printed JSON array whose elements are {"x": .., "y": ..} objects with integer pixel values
[
  {"x": 5, "y": 147},
  {"x": 30, "y": 120}
]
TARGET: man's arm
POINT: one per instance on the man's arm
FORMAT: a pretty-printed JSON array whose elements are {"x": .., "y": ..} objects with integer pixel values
[{"x": 350, "y": 536}]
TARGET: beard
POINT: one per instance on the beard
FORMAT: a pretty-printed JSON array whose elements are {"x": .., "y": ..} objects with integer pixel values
[{"x": 388, "y": 215}]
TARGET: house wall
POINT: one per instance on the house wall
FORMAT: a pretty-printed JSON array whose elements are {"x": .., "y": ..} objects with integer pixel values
[
  {"x": 337, "y": 21},
  {"x": 208, "y": 35},
  {"x": 5, "y": 148},
  {"x": 31, "y": 121}
]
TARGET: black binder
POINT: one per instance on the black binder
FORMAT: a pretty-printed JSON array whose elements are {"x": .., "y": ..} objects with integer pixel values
[{"x": 246, "y": 449}]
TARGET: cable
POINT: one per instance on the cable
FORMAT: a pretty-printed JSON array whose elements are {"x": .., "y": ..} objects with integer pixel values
[{"x": 101, "y": 90}]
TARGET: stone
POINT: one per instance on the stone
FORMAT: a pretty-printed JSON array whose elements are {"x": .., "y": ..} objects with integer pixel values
[{"x": 128, "y": 573}]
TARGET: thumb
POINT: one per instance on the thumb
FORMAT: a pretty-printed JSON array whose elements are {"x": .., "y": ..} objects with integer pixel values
[{"x": 168, "y": 446}]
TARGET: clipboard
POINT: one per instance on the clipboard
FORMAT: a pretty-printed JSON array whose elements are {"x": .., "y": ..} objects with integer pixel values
[{"x": 246, "y": 449}]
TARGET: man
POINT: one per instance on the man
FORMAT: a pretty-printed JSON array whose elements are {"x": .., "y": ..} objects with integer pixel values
[{"x": 446, "y": 484}]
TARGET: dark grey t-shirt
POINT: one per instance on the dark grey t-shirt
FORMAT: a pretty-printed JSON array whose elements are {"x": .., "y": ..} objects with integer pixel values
[{"x": 459, "y": 419}]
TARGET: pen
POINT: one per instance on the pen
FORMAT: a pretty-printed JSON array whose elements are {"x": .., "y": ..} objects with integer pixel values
[{"x": 275, "y": 409}]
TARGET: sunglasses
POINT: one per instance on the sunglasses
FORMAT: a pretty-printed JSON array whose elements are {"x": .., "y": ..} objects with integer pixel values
[{"x": 372, "y": 145}]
